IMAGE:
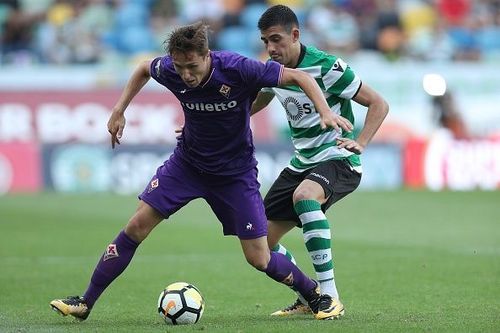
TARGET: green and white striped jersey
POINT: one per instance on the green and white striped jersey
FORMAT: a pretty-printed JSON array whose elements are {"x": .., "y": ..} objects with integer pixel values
[{"x": 339, "y": 85}]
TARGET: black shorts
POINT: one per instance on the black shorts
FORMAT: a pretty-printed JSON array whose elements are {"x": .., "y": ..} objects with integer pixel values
[{"x": 337, "y": 178}]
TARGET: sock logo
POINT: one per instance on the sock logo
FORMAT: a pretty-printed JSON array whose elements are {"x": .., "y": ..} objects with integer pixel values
[
  {"x": 288, "y": 280},
  {"x": 111, "y": 252}
]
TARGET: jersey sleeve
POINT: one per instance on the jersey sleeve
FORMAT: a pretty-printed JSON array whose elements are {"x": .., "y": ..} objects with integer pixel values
[
  {"x": 156, "y": 69},
  {"x": 340, "y": 80}
]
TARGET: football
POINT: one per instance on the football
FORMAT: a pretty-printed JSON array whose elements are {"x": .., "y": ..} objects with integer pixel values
[{"x": 181, "y": 303}]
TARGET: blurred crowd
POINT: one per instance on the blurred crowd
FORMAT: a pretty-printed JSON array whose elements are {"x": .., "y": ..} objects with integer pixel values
[{"x": 101, "y": 31}]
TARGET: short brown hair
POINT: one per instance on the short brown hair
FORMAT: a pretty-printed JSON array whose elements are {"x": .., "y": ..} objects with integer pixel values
[{"x": 188, "y": 38}]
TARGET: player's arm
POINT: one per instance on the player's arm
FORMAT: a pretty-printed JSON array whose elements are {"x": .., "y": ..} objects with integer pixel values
[
  {"x": 261, "y": 101},
  {"x": 376, "y": 113},
  {"x": 313, "y": 91},
  {"x": 116, "y": 122}
]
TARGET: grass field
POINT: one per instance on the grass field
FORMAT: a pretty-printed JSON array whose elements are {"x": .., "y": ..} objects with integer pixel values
[{"x": 405, "y": 262}]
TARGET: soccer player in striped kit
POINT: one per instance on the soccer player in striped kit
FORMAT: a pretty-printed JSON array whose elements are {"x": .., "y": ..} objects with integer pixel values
[
  {"x": 326, "y": 165},
  {"x": 214, "y": 159}
]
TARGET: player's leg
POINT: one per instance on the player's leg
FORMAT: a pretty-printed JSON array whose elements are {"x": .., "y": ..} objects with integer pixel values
[
  {"x": 237, "y": 202},
  {"x": 323, "y": 186},
  {"x": 277, "y": 266},
  {"x": 308, "y": 198},
  {"x": 276, "y": 230},
  {"x": 279, "y": 210},
  {"x": 172, "y": 187},
  {"x": 112, "y": 263},
  {"x": 282, "y": 270},
  {"x": 281, "y": 219}
]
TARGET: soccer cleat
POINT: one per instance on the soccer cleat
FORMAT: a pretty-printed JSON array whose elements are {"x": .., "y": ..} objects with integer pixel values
[
  {"x": 294, "y": 309},
  {"x": 326, "y": 307},
  {"x": 73, "y": 305}
]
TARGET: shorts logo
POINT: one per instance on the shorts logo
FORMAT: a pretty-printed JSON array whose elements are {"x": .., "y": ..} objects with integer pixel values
[
  {"x": 249, "y": 226},
  {"x": 111, "y": 252},
  {"x": 288, "y": 280},
  {"x": 225, "y": 90},
  {"x": 154, "y": 184},
  {"x": 320, "y": 177}
]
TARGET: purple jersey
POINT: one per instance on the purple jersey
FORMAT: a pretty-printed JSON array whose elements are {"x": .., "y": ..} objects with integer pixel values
[{"x": 216, "y": 138}]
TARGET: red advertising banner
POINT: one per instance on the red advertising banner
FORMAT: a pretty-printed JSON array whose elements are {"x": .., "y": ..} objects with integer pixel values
[
  {"x": 20, "y": 168},
  {"x": 445, "y": 163},
  {"x": 81, "y": 116}
]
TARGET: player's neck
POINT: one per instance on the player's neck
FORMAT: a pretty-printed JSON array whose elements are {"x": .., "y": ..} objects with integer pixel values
[{"x": 300, "y": 52}]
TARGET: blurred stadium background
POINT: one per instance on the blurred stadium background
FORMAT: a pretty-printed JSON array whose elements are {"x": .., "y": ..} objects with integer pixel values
[
  {"x": 64, "y": 62},
  {"x": 413, "y": 261}
]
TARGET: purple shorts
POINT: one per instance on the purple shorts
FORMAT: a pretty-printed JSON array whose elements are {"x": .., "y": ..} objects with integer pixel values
[{"x": 235, "y": 200}]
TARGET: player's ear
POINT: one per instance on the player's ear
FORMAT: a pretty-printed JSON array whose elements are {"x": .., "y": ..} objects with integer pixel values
[{"x": 295, "y": 34}]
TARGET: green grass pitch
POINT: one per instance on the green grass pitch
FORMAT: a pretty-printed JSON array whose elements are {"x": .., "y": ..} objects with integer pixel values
[{"x": 405, "y": 262}]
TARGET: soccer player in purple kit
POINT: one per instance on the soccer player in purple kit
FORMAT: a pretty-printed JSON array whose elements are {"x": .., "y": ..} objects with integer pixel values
[{"x": 214, "y": 159}]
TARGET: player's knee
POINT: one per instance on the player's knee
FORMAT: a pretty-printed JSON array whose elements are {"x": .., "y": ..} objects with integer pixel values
[{"x": 302, "y": 194}]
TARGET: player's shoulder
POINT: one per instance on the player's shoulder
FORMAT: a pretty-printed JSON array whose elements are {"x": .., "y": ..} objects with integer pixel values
[
  {"x": 161, "y": 64},
  {"x": 226, "y": 60},
  {"x": 327, "y": 61},
  {"x": 319, "y": 55}
]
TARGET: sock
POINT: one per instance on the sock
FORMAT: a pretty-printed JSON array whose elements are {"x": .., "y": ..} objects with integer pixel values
[
  {"x": 113, "y": 262},
  {"x": 281, "y": 249},
  {"x": 317, "y": 237},
  {"x": 282, "y": 270}
]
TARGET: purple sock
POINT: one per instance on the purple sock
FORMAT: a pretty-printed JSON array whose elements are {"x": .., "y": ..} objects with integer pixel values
[
  {"x": 281, "y": 269},
  {"x": 113, "y": 262}
]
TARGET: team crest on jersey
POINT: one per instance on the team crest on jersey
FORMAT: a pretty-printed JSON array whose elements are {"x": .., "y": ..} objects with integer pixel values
[
  {"x": 111, "y": 252},
  {"x": 154, "y": 184},
  {"x": 225, "y": 90}
]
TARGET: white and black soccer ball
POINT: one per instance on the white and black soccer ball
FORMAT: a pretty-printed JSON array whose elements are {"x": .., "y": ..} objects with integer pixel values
[{"x": 181, "y": 303}]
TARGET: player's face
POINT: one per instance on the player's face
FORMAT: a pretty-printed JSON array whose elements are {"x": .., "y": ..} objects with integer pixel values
[
  {"x": 191, "y": 67},
  {"x": 282, "y": 46}
]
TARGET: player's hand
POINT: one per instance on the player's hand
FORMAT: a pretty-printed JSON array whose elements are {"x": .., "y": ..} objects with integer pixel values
[
  {"x": 337, "y": 122},
  {"x": 351, "y": 145},
  {"x": 116, "y": 124}
]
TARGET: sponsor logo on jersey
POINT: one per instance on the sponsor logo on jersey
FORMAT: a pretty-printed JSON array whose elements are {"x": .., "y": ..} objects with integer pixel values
[
  {"x": 225, "y": 90},
  {"x": 210, "y": 106},
  {"x": 111, "y": 252},
  {"x": 294, "y": 109}
]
